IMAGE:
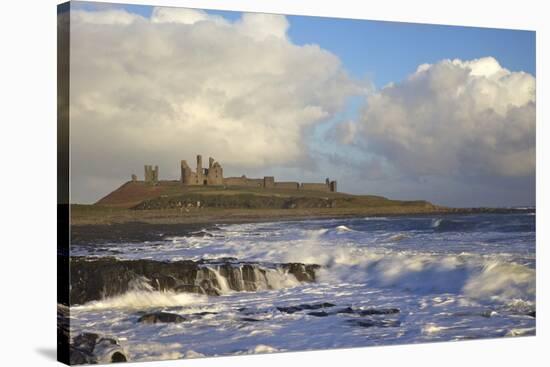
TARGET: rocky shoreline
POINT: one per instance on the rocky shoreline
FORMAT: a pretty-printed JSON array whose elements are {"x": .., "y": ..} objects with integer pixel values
[{"x": 94, "y": 279}]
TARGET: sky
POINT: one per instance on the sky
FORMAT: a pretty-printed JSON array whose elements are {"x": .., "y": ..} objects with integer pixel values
[{"x": 407, "y": 111}]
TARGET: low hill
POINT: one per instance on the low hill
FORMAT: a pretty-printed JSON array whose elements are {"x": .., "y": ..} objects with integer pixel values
[
  {"x": 172, "y": 195},
  {"x": 169, "y": 202},
  {"x": 135, "y": 204},
  {"x": 132, "y": 193}
]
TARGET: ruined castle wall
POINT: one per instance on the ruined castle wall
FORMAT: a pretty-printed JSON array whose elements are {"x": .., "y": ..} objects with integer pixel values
[
  {"x": 199, "y": 180},
  {"x": 188, "y": 177},
  {"x": 255, "y": 182},
  {"x": 151, "y": 175},
  {"x": 315, "y": 186},
  {"x": 244, "y": 181},
  {"x": 156, "y": 174},
  {"x": 147, "y": 173},
  {"x": 215, "y": 175},
  {"x": 269, "y": 182},
  {"x": 287, "y": 185},
  {"x": 234, "y": 181}
]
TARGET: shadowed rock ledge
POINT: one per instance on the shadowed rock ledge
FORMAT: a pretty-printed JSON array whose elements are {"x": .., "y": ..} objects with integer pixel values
[{"x": 99, "y": 278}]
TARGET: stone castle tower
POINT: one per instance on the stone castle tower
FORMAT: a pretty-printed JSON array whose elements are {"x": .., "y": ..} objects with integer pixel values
[
  {"x": 151, "y": 174},
  {"x": 213, "y": 175}
]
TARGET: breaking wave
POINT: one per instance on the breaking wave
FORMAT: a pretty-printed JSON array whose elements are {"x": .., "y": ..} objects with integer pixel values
[
  {"x": 343, "y": 229},
  {"x": 473, "y": 275},
  {"x": 139, "y": 300}
]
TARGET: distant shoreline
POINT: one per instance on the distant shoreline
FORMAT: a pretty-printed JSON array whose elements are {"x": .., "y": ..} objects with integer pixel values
[{"x": 122, "y": 225}]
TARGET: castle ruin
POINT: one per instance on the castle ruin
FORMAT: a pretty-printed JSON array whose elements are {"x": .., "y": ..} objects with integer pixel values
[
  {"x": 151, "y": 174},
  {"x": 213, "y": 176}
]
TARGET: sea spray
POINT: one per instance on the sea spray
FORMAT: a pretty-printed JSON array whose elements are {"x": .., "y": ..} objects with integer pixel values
[
  {"x": 140, "y": 300},
  {"x": 470, "y": 277}
]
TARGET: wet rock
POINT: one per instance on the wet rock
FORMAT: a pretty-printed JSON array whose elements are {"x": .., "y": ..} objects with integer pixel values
[
  {"x": 86, "y": 341},
  {"x": 91, "y": 348},
  {"x": 161, "y": 317},
  {"x": 374, "y": 323},
  {"x": 290, "y": 309},
  {"x": 97, "y": 278},
  {"x": 318, "y": 313},
  {"x": 377, "y": 311},
  {"x": 302, "y": 307},
  {"x": 189, "y": 288},
  {"x": 204, "y": 313},
  {"x": 316, "y": 306},
  {"x": 107, "y": 350},
  {"x": 77, "y": 356},
  {"x": 249, "y": 319},
  {"x": 346, "y": 310},
  {"x": 302, "y": 272}
]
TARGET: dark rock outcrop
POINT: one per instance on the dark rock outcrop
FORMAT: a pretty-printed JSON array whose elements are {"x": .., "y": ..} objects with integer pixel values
[
  {"x": 347, "y": 310},
  {"x": 319, "y": 313},
  {"x": 302, "y": 307},
  {"x": 91, "y": 348},
  {"x": 250, "y": 319},
  {"x": 377, "y": 311},
  {"x": 98, "y": 278},
  {"x": 374, "y": 323},
  {"x": 161, "y": 317}
]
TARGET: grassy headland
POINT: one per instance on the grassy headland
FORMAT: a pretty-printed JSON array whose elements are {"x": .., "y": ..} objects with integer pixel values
[{"x": 171, "y": 203}]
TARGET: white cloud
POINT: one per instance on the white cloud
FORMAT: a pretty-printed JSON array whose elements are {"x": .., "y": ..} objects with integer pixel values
[
  {"x": 182, "y": 16},
  {"x": 263, "y": 26},
  {"x": 106, "y": 17},
  {"x": 458, "y": 118},
  {"x": 156, "y": 90}
]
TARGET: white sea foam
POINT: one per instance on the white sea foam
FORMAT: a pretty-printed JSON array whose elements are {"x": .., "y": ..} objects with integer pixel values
[
  {"x": 343, "y": 229},
  {"x": 431, "y": 328},
  {"x": 471, "y": 274},
  {"x": 442, "y": 283},
  {"x": 502, "y": 280},
  {"x": 436, "y": 222},
  {"x": 351, "y": 259},
  {"x": 262, "y": 348},
  {"x": 155, "y": 351},
  {"x": 139, "y": 300},
  {"x": 521, "y": 331}
]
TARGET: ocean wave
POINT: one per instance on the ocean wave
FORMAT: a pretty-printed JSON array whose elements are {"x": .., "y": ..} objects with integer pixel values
[
  {"x": 473, "y": 275},
  {"x": 341, "y": 229},
  {"x": 436, "y": 222},
  {"x": 453, "y": 225}
]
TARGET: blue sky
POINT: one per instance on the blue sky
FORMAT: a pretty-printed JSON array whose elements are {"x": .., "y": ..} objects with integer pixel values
[
  {"x": 375, "y": 161},
  {"x": 389, "y": 51}
]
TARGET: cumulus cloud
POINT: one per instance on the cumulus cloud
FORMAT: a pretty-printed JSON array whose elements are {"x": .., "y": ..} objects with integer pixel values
[
  {"x": 180, "y": 15},
  {"x": 453, "y": 118},
  {"x": 154, "y": 90}
]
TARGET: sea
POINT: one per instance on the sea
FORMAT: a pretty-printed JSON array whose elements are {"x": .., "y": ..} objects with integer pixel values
[{"x": 380, "y": 281}]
